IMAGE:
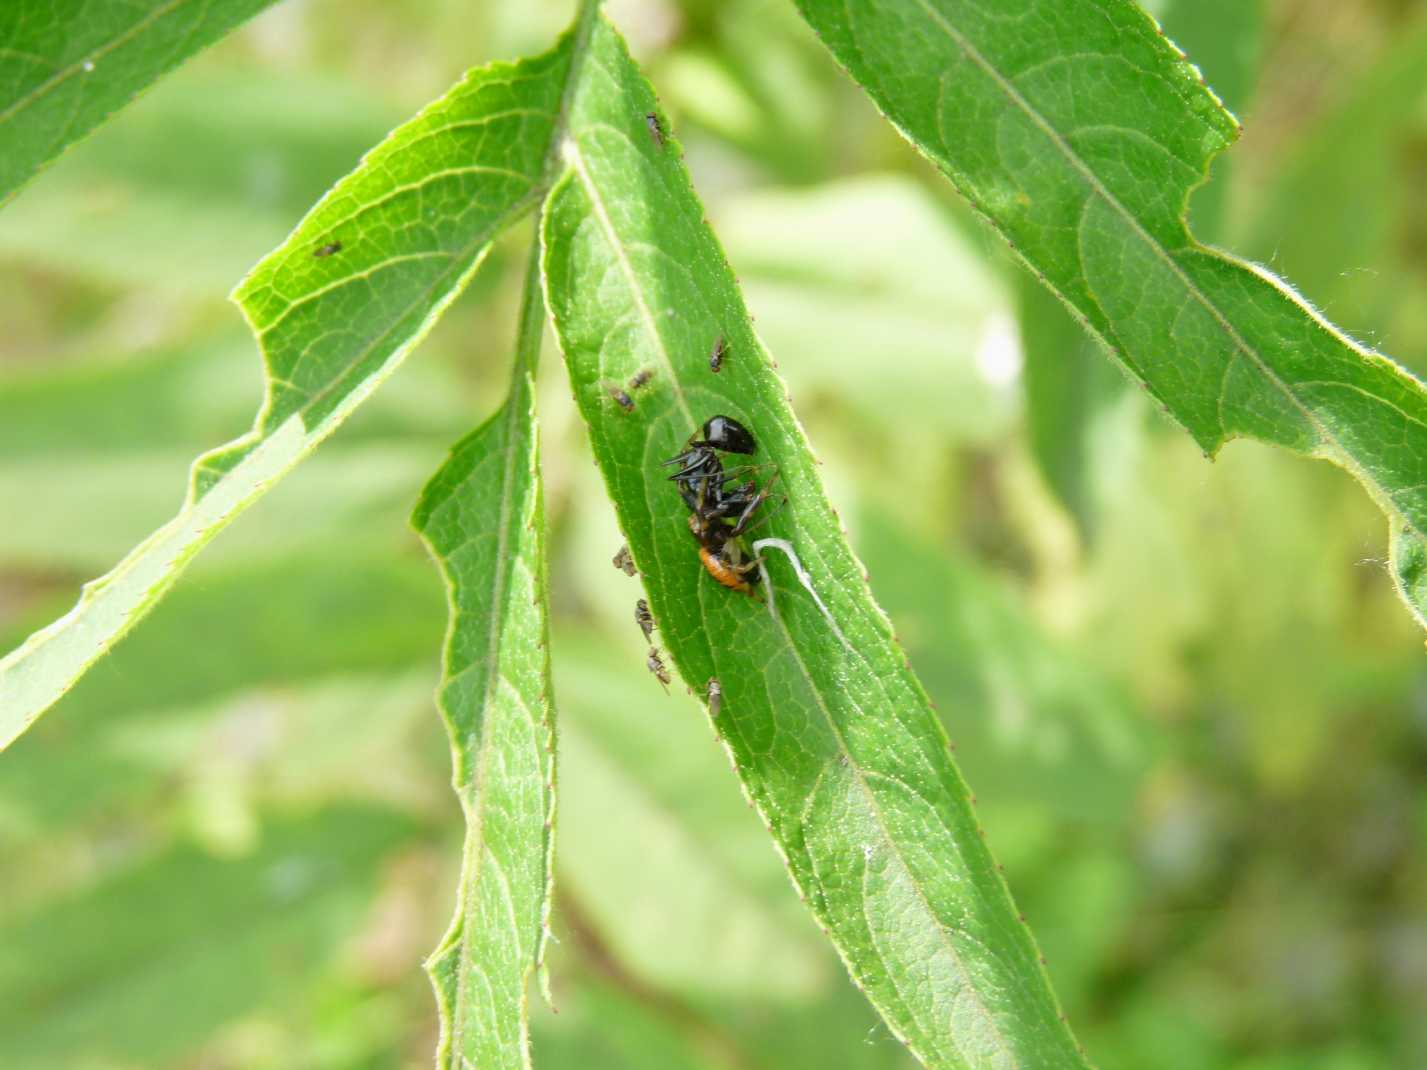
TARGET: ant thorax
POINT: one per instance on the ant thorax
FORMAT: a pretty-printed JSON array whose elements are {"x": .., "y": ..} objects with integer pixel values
[{"x": 721, "y": 508}]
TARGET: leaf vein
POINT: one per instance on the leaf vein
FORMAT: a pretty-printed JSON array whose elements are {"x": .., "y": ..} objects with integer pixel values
[{"x": 1093, "y": 181}]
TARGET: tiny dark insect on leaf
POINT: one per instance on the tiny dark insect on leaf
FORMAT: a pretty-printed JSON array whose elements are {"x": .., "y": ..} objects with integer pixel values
[
  {"x": 720, "y": 350},
  {"x": 656, "y": 128},
  {"x": 656, "y": 666},
  {"x": 625, "y": 401},
  {"x": 624, "y": 561},
  {"x": 715, "y": 696},
  {"x": 328, "y": 249},
  {"x": 642, "y": 376},
  {"x": 644, "y": 619}
]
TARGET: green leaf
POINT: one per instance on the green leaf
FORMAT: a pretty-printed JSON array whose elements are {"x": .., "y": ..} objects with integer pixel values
[
  {"x": 662, "y": 861},
  {"x": 1224, "y": 39},
  {"x": 1068, "y": 386},
  {"x": 1079, "y": 131},
  {"x": 482, "y": 519},
  {"x": 181, "y": 196},
  {"x": 828, "y": 729},
  {"x": 70, "y": 64},
  {"x": 335, "y": 310}
]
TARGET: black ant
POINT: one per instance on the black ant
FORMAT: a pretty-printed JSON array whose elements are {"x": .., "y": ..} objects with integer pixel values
[
  {"x": 721, "y": 510},
  {"x": 700, "y": 471}
]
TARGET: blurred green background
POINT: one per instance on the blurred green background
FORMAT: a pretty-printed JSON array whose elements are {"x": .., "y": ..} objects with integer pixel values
[{"x": 1194, "y": 715}]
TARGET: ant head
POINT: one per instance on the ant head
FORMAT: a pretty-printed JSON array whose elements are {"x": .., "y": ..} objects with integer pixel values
[{"x": 727, "y": 434}]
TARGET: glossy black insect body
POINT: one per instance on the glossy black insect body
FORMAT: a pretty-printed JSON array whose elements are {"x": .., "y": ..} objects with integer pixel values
[
  {"x": 703, "y": 483},
  {"x": 721, "y": 508},
  {"x": 720, "y": 434},
  {"x": 727, "y": 434}
]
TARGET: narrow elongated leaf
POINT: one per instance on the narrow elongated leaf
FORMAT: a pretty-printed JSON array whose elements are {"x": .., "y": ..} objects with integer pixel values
[
  {"x": 1068, "y": 386},
  {"x": 163, "y": 196},
  {"x": 1078, "y": 130},
  {"x": 335, "y": 310},
  {"x": 67, "y": 65},
  {"x": 482, "y": 519},
  {"x": 828, "y": 729},
  {"x": 1224, "y": 38}
]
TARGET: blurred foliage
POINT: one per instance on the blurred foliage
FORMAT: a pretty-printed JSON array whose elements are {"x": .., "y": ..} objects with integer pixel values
[{"x": 1197, "y": 739}]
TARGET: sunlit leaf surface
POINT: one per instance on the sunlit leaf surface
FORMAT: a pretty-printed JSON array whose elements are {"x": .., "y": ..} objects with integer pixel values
[
  {"x": 482, "y": 518},
  {"x": 335, "y": 310},
  {"x": 67, "y": 65},
  {"x": 828, "y": 729},
  {"x": 204, "y": 175},
  {"x": 1078, "y": 131}
]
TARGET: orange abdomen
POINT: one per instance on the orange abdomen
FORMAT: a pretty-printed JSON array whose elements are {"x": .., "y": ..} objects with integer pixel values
[{"x": 721, "y": 572}]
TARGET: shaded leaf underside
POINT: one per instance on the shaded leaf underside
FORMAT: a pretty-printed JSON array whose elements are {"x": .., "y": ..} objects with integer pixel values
[{"x": 398, "y": 239}]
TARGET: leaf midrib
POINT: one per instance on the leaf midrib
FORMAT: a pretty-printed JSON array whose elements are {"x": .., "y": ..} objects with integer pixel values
[
  {"x": 475, "y": 816},
  {"x": 458, "y": 265},
  {"x": 576, "y": 159},
  {"x": 895, "y": 852},
  {"x": 520, "y": 387},
  {"x": 65, "y": 73},
  {"x": 1325, "y": 434}
]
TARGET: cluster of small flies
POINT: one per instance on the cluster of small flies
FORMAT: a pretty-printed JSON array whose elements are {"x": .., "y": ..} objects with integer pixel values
[
  {"x": 623, "y": 393},
  {"x": 724, "y": 503},
  {"x": 655, "y": 661},
  {"x": 722, "y": 506}
]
